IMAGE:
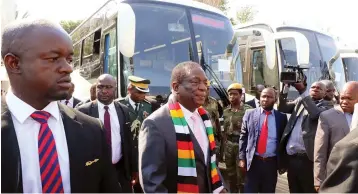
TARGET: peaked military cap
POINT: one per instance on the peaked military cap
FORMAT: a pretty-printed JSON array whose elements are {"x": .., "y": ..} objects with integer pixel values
[
  {"x": 234, "y": 86},
  {"x": 139, "y": 83}
]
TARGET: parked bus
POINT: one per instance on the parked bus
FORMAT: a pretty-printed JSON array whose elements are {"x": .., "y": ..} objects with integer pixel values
[
  {"x": 148, "y": 38},
  {"x": 349, "y": 58},
  {"x": 264, "y": 58}
]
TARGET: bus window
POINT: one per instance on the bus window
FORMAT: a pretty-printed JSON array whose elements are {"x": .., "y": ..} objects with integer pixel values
[
  {"x": 328, "y": 49},
  {"x": 77, "y": 55},
  {"x": 314, "y": 73},
  {"x": 90, "y": 68},
  {"x": 110, "y": 53},
  {"x": 162, "y": 41},
  {"x": 351, "y": 66},
  {"x": 211, "y": 31},
  {"x": 257, "y": 67}
]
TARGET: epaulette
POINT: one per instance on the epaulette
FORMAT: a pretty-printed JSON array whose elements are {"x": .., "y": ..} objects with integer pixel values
[{"x": 147, "y": 101}]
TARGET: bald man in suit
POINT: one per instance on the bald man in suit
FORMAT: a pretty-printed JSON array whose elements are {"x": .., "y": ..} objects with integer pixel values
[{"x": 342, "y": 166}]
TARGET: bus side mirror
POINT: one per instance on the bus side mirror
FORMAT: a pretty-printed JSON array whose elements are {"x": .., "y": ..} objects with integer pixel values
[
  {"x": 302, "y": 47},
  {"x": 126, "y": 23}
]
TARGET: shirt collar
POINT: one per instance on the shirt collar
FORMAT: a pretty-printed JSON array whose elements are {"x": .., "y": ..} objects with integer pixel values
[
  {"x": 131, "y": 101},
  {"x": 21, "y": 110},
  {"x": 262, "y": 111},
  {"x": 186, "y": 112},
  {"x": 69, "y": 100},
  {"x": 101, "y": 105}
]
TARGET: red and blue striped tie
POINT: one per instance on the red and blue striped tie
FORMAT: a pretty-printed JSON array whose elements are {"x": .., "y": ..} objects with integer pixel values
[{"x": 49, "y": 166}]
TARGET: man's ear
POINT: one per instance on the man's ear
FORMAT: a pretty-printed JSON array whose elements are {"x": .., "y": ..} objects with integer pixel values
[
  {"x": 12, "y": 63},
  {"x": 175, "y": 87}
]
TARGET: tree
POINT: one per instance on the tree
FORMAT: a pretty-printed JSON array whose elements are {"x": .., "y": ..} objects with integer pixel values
[
  {"x": 70, "y": 25},
  {"x": 220, "y": 4},
  {"x": 246, "y": 14},
  {"x": 19, "y": 15}
]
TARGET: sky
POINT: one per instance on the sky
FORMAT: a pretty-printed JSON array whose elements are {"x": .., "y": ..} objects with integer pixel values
[{"x": 334, "y": 17}]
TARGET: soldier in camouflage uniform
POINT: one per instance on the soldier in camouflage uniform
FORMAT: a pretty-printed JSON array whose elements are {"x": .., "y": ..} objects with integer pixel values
[
  {"x": 139, "y": 107},
  {"x": 212, "y": 106},
  {"x": 233, "y": 115}
]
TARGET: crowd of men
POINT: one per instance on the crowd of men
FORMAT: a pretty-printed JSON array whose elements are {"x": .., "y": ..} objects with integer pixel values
[{"x": 52, "y": 142}]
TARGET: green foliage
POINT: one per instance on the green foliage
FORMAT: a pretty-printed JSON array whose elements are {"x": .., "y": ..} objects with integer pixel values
[
  {"x": 70, "y": 25},
  {"x": 246, "y": 14}
]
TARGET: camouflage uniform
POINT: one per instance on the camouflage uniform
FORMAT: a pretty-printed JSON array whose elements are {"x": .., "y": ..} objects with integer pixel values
[
  {"x": 211, "y": 105},
  {"x": 232, "y": 128}
]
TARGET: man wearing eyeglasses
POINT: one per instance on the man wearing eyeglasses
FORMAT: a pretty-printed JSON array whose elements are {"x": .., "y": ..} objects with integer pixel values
[{"x": 115, "y": 117}]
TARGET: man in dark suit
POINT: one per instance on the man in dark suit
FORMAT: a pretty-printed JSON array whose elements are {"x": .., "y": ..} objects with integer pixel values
[
  {"x": 47, "y": 147},
  {"x": 297, "y": 143},
  {"x": 254, "y": 103},
  {"x": 71, "y": 101},
  {"x": 342, "y": 166},
  {"x": 115, "y": 118},
  {"x": 174, "y": 151},
  {"x": 258, "y": 148}
]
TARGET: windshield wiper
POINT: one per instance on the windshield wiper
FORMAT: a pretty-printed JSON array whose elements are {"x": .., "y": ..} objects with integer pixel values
[{"x": 218, "y": 87}]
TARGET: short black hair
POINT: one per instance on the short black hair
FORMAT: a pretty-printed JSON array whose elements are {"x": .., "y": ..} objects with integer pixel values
[
  {"x": 180, "y": 71},
  {"x": 14, "y": 34}
]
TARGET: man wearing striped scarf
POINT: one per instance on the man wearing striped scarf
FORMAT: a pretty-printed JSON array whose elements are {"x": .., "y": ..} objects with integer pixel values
[{"x": 176, "y": 142}]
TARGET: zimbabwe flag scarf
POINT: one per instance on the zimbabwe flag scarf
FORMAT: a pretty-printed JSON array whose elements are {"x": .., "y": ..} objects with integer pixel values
[{"x": 187, "y": 177}]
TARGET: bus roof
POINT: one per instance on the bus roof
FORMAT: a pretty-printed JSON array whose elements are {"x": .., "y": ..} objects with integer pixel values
[
  {"x": 274, "y": 28},
  {"x": 194, "y": 4},
  {"x": 188, "y": 3}
]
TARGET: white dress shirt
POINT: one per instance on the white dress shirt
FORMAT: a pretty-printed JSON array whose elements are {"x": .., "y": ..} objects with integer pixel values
[
  {"x": 349, "y": 118},
  {"x": 115, "y": 130},
  {"x": 27, "y": 130},
  {"x": 70, "y": 102},
  {"x": 132, "y": 103},
  {"x": 205, "y": 141}
]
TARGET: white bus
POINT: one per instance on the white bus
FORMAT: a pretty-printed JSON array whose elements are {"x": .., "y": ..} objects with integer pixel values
[
  {"x": 147, "y": 38},
  {"x": 267, "y": 50}
]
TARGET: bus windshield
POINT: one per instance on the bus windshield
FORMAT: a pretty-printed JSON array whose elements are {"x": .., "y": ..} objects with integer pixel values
[
  {"x": 351, "y": 67},
  {"x": 164, "y": 37},
  {"x": 322, "y": 49}
]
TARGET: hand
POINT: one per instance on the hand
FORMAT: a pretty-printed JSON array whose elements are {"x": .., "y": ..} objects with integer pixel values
[
  {"x": 316, "y": 188},
  {"x": 224, "y": 191},
  {"x": 242, "y": 164},
  {"x": 135, "y": 178}
]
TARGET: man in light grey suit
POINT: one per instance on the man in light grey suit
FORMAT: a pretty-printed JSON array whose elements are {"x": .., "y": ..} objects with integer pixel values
[
  {"x": 158, "y": 147},
  {"x": 342, "y": 166},
  {"x": 333, "y": 125}
]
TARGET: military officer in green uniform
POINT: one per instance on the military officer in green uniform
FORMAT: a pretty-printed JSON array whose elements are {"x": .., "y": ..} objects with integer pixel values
[
  {"x": 233, "y": 115},
  {"x": 139, "y": 107},
  {"x": 212, "y": 106}
]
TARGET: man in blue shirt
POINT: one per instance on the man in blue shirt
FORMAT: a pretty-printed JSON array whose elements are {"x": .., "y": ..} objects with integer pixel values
[{"x": 261, "y": 132}]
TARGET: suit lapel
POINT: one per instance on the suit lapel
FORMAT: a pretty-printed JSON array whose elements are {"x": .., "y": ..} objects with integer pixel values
[
  {"x": 278, "y": 123},
  {"x": 94, "y": 110},
  {"x": 345, "y": 127},
  {"x": 120, "y": 117},
  {"x": 71, "y": 127},
  {"x": 10, "y": 153},
  {"x": 257, "y": 121}
]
